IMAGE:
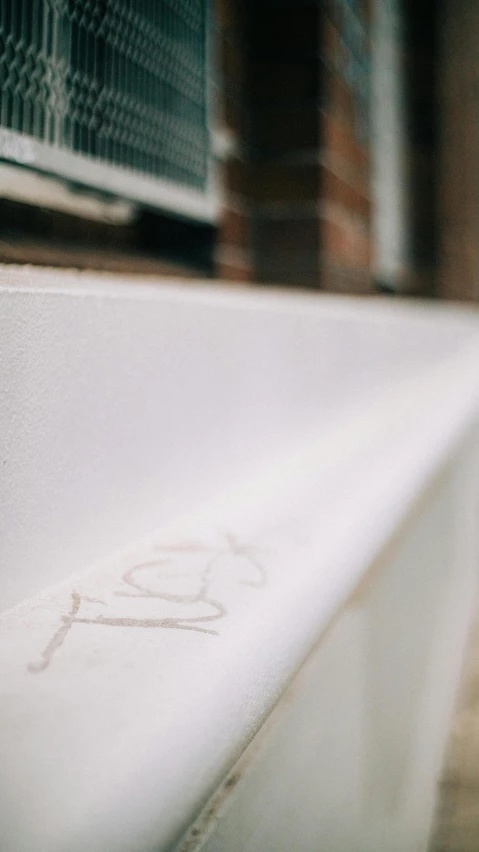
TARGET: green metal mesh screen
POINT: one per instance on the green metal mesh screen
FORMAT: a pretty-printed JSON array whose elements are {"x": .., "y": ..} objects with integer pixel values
[{"x": 122, "y": 83}]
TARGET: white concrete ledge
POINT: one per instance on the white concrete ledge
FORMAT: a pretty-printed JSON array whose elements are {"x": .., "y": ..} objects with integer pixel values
[{"x": 129, "y": 690}]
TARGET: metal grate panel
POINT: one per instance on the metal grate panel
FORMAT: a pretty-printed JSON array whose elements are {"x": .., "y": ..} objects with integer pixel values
[{"x": 109, "y": 93}]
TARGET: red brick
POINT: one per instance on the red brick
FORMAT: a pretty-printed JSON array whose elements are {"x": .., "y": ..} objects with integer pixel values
[
  {"x": 338, "y": 138},
  {"x": 329, "y": 39},
  {"x": 235, "y": 174},
  {"x": 340, "y": 279},
  {"x": 341, "y": 103},
  {"x": 234, "y": 228},
  {"x": 229, "y": 272},
  {"x": 345, "y": 243},
  {"x": 339, "y": 191}
]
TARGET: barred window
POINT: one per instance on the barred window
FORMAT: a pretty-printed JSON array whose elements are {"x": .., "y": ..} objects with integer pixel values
[{"x": 111, "y": 94}]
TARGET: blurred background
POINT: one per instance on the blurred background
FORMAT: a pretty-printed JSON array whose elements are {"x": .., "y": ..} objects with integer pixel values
[{"x": 328, "y": 145}]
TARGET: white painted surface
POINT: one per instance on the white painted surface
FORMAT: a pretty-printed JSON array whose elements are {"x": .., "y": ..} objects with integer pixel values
[{"x": 277, "y": 443}]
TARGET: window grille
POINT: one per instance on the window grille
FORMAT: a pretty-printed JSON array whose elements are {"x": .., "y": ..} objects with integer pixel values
[{"x": 112, "y": 94}]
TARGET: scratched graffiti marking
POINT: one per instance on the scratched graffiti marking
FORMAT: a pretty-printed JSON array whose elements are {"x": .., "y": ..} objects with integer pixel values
[{"x": 178, "y": 587}]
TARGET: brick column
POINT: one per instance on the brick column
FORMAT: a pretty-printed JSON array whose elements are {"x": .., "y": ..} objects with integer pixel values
[
  {"x": 284, "y": 97},
  {"x": 308, "y": 101},
  {"x": 233, "y": 254}
]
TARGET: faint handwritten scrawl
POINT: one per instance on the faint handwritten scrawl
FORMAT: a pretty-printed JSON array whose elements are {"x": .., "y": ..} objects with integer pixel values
[{"x": 179, "y": 588}]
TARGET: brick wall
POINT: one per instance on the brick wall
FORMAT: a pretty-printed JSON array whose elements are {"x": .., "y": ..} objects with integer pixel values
[
  {"x": 344, "y": 149},
  {"x": 296, "y": 176},
  {"x": 233, "y": 253},
  {"x": 284, "y": 89},
  {"x": 294, "y": 91}
]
